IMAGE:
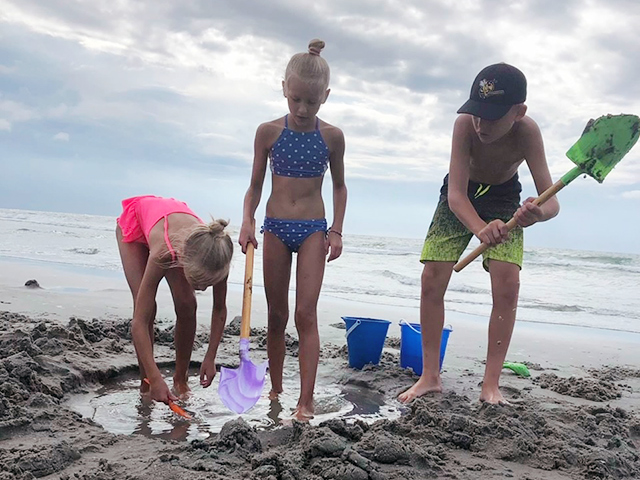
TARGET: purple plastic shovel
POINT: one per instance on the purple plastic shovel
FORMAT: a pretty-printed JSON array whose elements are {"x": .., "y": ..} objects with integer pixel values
[{"x": 240, "y": 388}]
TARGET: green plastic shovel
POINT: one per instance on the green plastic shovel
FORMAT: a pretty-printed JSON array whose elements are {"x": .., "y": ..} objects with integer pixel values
[
  {"x": 604, "y": 142},
  {"x": 519, "y": 369}
]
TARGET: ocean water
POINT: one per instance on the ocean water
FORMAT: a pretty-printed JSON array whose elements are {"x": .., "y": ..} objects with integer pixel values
[{"x": 569, "y": 287}]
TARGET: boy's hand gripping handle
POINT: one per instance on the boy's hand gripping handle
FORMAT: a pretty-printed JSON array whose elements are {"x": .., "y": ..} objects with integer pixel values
[{"x": 511, "y": 224}]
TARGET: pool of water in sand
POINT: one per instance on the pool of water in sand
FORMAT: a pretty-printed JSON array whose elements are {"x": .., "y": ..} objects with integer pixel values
[{"x": 118, "y": 407}]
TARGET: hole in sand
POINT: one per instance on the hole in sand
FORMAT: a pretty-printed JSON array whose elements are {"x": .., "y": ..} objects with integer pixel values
[{"x": 119, "y": 408}]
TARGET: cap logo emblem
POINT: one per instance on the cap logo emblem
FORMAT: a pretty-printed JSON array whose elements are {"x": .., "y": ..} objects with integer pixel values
[{"x": 488, "y": 89}]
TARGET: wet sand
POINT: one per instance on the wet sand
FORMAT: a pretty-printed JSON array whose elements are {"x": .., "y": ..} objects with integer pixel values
[{"x": 577, "y": 416}]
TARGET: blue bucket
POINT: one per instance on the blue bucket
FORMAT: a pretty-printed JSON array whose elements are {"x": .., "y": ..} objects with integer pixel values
[
  {"x": 411, "y": 346},
  {"x": 365, "y": 340}
]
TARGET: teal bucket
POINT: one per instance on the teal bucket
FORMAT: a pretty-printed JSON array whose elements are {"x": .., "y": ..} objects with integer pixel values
[
  {"x": 365, "y": 340},
  {"x": 411, "y": 346}
]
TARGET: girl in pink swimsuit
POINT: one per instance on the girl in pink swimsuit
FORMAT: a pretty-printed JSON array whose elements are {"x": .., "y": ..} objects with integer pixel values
[{"x": 162, "y": 238}]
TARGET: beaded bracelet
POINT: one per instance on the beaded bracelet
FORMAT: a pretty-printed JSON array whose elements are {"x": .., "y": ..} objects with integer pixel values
[{"x": 334, "y": 231}]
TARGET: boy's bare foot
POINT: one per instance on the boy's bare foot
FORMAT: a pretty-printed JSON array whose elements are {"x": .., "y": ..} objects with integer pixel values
[
  {"x": 421, "y": 387},
  {"x": 302, "y": 414},
  {"x": 493, "y": 396}
]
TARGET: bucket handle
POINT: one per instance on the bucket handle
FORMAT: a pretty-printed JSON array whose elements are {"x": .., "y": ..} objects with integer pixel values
[
  {"x": 353, "y": 327},
  {"x": 402, "y": 322}
]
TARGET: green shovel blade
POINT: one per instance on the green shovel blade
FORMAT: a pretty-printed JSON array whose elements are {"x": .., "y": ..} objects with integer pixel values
[{"x": 603, "y": 144}]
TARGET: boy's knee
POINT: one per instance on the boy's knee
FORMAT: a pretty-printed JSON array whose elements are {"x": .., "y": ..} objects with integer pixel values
[
  {"x": 506, "y": 288},
  {"x": 509, "y": 289},
  {"x": 432, "y": 283}
]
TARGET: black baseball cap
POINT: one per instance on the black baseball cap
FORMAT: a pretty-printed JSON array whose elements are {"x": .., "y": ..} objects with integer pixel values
[{"x": 494, "y": 91}]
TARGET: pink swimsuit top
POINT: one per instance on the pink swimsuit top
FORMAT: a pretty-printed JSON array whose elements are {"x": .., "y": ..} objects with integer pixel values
[{"x": 140, "y": 215}]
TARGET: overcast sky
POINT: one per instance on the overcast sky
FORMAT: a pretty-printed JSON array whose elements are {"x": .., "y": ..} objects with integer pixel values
[{"x": 104, "y": 100}]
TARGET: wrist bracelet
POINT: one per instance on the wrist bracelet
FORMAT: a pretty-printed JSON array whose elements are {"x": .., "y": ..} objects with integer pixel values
[{"x": 334, "y": 231}]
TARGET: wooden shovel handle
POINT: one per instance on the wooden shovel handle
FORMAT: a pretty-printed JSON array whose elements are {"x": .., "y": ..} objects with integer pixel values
[
  {"x": 245, "y": 325},
  {"x": 511, "y": 224}
]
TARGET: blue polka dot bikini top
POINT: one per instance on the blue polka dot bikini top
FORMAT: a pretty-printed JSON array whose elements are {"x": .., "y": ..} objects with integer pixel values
[{"x": 299, "y": 154}]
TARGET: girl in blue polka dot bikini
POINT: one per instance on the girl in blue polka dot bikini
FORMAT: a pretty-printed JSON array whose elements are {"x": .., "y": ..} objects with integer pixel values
[{"x": 300, "y": 148}]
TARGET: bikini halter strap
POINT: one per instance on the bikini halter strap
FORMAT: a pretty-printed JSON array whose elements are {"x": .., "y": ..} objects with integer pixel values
[{"x": 166, "y": 238}]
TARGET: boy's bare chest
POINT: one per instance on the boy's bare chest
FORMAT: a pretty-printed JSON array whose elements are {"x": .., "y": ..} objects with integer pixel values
[{"x": 494, "y": 164}]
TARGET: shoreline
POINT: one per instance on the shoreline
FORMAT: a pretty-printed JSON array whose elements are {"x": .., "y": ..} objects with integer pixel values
[
  {"x": 114, "y": 279},
  {"x": 93, "y": 293}
]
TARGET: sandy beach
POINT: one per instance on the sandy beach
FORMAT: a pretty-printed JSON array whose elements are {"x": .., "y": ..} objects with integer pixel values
[{"x": 577, "y": 416}]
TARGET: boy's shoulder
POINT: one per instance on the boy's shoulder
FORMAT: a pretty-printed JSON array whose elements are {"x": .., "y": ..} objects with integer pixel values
[
  {"x": 526, "y": 125},
  {"x": 527, "y": 134}
]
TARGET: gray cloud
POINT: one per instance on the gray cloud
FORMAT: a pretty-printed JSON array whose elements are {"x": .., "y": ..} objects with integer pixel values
[{"x": 157, "y": 87}]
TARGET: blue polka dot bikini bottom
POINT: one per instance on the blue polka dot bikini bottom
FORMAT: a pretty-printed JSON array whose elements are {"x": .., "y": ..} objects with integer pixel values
[{"x": 291, "y": 232}]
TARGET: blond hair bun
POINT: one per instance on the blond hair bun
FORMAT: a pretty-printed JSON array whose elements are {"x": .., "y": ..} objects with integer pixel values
[
  {"x": 309, "y": 67},
  {"x": 315, "y": 46},
  {"x": 217, "y": 227}
]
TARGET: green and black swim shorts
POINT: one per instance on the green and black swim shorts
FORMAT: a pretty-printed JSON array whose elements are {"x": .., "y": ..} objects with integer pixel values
[{"x": 447, "y": 237}]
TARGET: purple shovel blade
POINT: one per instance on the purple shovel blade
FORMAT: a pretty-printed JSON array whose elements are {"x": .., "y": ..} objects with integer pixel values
[{"x": 240, "y": 388}]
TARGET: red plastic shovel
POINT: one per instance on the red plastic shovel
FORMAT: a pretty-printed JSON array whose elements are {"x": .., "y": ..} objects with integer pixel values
[{"x": 173, "y": 406}]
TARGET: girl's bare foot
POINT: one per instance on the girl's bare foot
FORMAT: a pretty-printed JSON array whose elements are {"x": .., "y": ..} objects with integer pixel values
[
  {"x": 302, "y": 414},
  {"x": 144, "y": 387},
  {"x": 181, "y": 390},
  {"x": 274, "y": 395},
  {"x": 421, "y": 387},
  {"x": 493, "y": 396}
]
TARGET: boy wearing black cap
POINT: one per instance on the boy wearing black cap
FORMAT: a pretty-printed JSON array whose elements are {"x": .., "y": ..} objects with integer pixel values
[{"x": 491, "y": 138}]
